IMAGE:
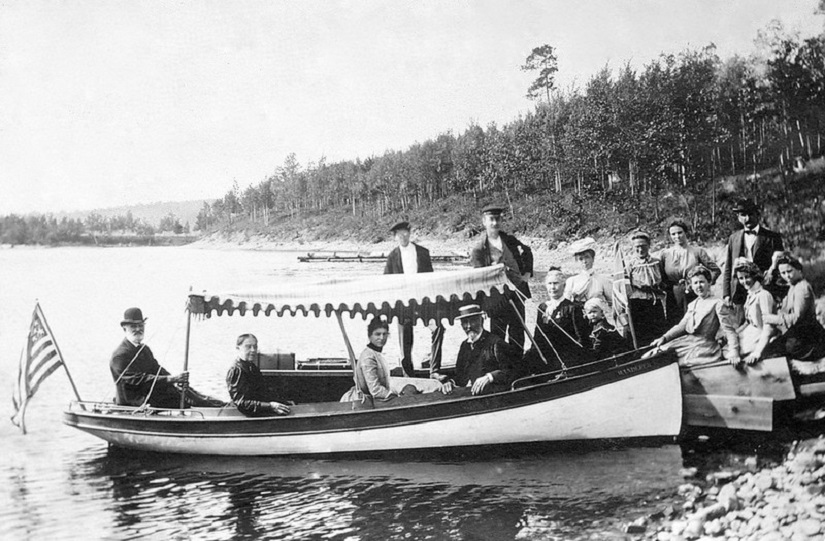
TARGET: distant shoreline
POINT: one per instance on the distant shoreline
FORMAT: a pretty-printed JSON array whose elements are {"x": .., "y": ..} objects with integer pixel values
[{"x": 111, "y": 241}]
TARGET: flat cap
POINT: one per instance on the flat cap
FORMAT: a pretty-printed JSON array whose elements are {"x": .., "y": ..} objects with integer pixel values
[
  {"x": 493, "y": 208},
  {"x": 400, "y": 225}
]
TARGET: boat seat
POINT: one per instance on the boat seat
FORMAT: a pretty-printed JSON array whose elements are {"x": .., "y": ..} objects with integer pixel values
[{"x": 276, "y": 361}]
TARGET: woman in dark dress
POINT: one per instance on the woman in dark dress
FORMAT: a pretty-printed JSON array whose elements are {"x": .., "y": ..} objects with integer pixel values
[
  {"x": 803, "y": 338},
  {"x": 562, "y": 335},
  {"x": 246, "y": 385}
]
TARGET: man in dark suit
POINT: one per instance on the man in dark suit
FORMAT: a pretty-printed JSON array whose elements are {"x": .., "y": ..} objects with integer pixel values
[
  {"x": 755, "y": 243},
  {"x": 139, "y": 379},
  {"x": 410, "y": 258},
  {"x": 494, "y": 247},
  {"x": 485, "y": 362}
]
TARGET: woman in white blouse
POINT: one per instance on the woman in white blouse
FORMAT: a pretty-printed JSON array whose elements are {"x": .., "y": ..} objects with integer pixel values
[
  {"x": 587, "y": 284},
  {"x": 755, "y": 333}
]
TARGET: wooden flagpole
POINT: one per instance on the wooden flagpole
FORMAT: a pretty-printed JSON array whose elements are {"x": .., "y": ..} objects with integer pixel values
[
  {"x": 186, "y": 356},
  {"x": 57, "y": 348}
]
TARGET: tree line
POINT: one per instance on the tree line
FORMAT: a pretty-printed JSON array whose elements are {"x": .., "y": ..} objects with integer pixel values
[
  {"x": 679, "y": 125},
  {"x": 46, "y": 229}
]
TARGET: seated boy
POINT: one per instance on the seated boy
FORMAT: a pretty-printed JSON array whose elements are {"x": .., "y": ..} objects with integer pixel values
[{"x": 605, "y": 339}]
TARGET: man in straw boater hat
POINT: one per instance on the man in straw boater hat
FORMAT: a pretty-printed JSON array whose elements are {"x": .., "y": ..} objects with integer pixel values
[
  {"x": 139, "y": 379},
  {"x": 755, "y": 243},
  {"x": 494, "y": 247},
  {"x": 485, "y": 362},
  {"x": 411, "y": 258}
]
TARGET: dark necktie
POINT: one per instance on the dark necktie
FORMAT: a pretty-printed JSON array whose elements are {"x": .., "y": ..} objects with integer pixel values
[{"x": 750, "y": 232}]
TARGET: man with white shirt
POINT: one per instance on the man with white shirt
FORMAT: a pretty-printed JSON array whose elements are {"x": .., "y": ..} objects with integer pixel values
[
  {"x": 755, "y": 243},
  {"x": 410, "y": 258},
  {"x": 494, "y": 247}
]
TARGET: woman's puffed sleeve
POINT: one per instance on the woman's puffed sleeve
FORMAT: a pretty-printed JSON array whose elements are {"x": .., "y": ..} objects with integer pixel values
[
  {"x": 239, "y": 387},
  {"x": 802, "y": 298},
  {"x": 375, "y": 387},
  {"x": 677, "y": 330},
  {"x": 725, "y": 316}
]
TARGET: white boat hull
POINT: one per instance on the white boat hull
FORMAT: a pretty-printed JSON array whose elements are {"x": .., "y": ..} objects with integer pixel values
[{"x": 645, "y": 405}]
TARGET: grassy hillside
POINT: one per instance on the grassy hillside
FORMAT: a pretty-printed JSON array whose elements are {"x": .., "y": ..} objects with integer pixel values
[{"x": 793, "y": 204}]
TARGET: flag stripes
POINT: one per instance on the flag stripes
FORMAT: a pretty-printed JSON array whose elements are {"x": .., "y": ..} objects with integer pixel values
[{"x": 40, "y": 358}]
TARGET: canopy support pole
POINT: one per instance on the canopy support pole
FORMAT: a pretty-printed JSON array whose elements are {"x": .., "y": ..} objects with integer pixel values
[
  {"x": 628, "y": 290},
  {"x": 350, "y": 351},
  {"x": 529, "y": 334},
  {"x": 185, "y": 387}
]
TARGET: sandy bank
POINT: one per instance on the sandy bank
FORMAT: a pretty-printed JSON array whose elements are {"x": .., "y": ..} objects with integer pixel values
[{"x": 543, "y": 254}]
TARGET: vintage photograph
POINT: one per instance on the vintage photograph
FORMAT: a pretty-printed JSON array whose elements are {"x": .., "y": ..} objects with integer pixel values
[{"x": 396, "y": 270}]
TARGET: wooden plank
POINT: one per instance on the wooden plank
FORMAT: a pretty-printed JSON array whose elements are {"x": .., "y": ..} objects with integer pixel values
[
  {"x": 812, "y": 389},
  {"x": 769, "y": 378},
  {"x": 735, "y": 412}
]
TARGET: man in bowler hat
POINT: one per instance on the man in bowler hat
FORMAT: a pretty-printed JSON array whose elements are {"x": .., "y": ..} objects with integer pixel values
[
  {"x": 495, "y": 246},
  {"x": 138, "y": 375},
  {"x": 411, "y": 258},
  {"x": 757, "y": 244}
]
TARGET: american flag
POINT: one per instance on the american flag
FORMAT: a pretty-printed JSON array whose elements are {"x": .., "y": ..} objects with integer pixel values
[{"x": 38, "y": 360}]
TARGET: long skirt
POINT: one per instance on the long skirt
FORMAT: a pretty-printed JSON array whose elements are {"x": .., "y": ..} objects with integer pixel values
[
  {"x": 648, "y": 320},
  {"x": 749, "y": 336},
  {"x": 694, "y": 350}
]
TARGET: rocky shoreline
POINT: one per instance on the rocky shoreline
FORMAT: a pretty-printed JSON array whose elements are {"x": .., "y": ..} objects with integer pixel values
[{"x": 779, "y": 502}]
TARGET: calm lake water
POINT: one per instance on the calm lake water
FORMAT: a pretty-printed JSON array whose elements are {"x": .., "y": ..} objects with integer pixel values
[{"x": 60, "y": 483}]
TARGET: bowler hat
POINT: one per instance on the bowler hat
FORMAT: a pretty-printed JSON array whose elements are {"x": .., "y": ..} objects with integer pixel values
[
  {"x": 493, "y": 208},
  {"x": 745, "y": 206},
  {"x": 469, "y": 310},
  {"x": 133, "y": 315},
  {"x": 400, "y": 225}
]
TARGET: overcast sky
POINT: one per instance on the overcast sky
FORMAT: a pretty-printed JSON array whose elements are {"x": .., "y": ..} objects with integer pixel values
[{"x": 108, "y": 103}]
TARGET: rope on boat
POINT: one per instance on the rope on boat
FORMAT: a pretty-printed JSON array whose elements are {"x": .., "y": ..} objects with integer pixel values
[
  {"x": 550, "y": 343},
  {"x": 143, "y": 345}
]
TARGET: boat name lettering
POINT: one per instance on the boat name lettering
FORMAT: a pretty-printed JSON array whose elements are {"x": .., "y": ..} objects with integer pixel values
[{"x": 633, "y": 369}]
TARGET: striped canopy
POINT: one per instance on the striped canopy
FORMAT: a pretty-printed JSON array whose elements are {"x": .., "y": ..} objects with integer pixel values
[{"x": 426, "y": 296}]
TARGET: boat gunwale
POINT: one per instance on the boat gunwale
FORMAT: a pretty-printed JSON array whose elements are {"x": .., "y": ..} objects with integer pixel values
[{"x": 389, "y": 415}]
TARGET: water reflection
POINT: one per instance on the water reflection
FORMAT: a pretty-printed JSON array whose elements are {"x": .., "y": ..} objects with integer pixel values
[{"x": 494, "y": 497}]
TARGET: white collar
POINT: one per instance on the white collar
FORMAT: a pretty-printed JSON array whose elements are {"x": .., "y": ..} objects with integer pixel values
[{"x": 472, "y": 342}]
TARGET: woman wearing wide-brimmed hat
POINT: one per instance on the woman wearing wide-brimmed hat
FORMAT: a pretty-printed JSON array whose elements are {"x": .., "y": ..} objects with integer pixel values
[{"x": 587, "y": 283}]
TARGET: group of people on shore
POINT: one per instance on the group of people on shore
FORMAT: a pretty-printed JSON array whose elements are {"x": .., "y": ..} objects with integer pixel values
[{"x": 657, "y": 302}]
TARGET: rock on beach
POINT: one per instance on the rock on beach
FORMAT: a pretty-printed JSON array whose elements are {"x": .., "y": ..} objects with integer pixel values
[{"x": 783, "y": 502}]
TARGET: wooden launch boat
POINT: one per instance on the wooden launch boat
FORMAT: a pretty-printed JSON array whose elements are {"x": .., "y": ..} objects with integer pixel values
[{"x": 623, "y": 397}]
